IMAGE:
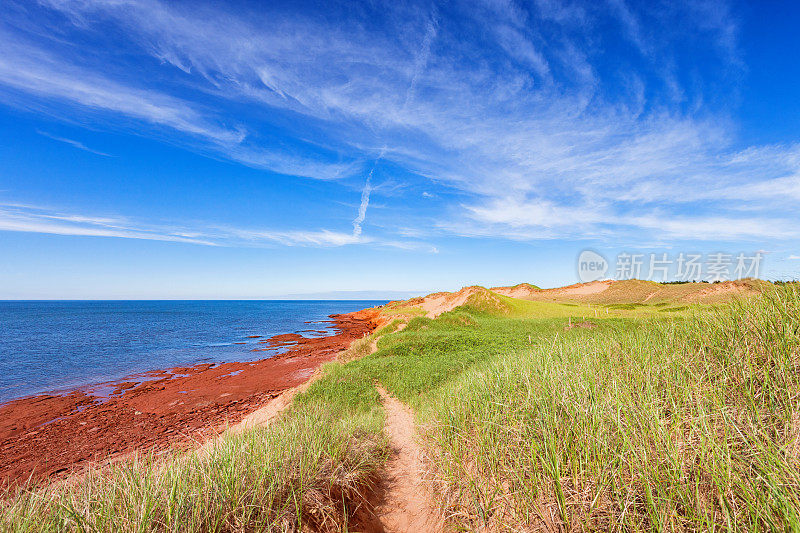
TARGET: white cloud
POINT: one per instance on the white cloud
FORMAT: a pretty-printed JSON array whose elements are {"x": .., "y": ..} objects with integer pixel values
[
  {"x": 539, "y": 135},
  {"x": 301, "y": 238},
  {"x": 37, "y": 220},
  {"x": 715, "y": 228},
  {"x": 35, "y": 71},
  {"x": 362, "y": 208},
  {"x": 543, "y": 219},
  {"x": 27, "y": 68},
  {"x": 77, "y": 144},
  {"x": 515, "y": 213},
  {"x": 34, "y": 219}
]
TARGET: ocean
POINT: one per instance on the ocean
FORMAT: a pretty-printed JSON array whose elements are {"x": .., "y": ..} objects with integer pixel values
[{"x": 53, "y": 346}]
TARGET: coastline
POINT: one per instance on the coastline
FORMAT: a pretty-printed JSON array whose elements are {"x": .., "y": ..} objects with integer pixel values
[{"x": 51, "y": 435}]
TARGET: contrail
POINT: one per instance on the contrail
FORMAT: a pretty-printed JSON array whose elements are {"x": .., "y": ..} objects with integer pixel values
[
  {"x": 420, "y": 62},
  {"x": 362, "y": 209},
  {"x": 365, "y": 192}
]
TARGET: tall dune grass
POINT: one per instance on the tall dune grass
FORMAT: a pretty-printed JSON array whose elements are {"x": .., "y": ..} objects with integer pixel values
[
  {"x": 310, "y": 470},
  {"x": 649, "y": 421},
  {"x": 682, "y": 425}
]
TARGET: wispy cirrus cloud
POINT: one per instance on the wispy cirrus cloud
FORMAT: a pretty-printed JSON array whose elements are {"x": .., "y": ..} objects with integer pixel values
[
  {"x": 31, "y": 219},
  {"x": 32, "y": 70},
  {"x": 35, "y": 219},
  {"x": 35, "y": 71},
  {"x": 544, "y": 132}
]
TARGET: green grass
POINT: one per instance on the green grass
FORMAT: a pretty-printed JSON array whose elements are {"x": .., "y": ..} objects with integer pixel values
[
  {"x": 627, "y": 307},
  {"x": 673, "y": 309},
  {"x": 679, "y": 425},
  {"x": 658, "y": 418},
  {"x": 363, "y": 346},
  {"x": 517, "y": 308},
  {"x": 310, "y": 470},
  {"x": 428, "y": 353}
]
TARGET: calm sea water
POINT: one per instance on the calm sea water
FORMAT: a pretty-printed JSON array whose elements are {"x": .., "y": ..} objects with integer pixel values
[{"x": 51, "y": 346}]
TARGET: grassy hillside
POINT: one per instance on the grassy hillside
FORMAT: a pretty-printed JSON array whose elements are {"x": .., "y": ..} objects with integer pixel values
[
  {"x": 637, "y": 419},
  {"x": 663, "y": 425},
  {"x": 643, "y": 292}
]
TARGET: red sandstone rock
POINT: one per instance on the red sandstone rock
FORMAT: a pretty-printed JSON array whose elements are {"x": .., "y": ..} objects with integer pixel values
[{"x": 49, "y": 435}]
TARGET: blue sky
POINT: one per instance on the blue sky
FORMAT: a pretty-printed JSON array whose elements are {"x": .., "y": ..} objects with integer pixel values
[{"x": 154, "y": 149}]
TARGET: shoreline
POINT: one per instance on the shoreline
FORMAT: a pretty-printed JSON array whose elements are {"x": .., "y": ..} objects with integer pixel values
[{"x": 52, "y": 435}]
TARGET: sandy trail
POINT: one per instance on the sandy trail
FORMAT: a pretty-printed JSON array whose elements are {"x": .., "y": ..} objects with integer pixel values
[
  {"x": 274, "y": 407},
  {"x": 373, "y": 347},
  {"x": 407, "y": 504}
]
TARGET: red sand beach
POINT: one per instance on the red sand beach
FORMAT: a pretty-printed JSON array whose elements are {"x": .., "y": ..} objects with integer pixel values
[{"x": 50, "y": 435}]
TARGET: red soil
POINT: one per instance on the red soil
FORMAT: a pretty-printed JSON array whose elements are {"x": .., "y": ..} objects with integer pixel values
[{"x": 49, "y": 435}]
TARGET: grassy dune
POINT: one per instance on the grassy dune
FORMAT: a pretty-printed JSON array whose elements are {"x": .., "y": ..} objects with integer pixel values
[
  {"x": 646, "y": 420},
  {"x": 680, "y": 425}
]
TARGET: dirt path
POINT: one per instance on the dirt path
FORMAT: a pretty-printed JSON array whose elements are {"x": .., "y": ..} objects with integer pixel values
[
  {"x": 274, "y": 407},
  {"x": 407, "y": 505},
  {"x": 373, "y": 347}
]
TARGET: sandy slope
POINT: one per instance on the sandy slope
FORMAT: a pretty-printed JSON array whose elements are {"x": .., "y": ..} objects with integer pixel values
[
  {"x": 441, "y": 302},
  {"x": 637, "y": 291}
]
